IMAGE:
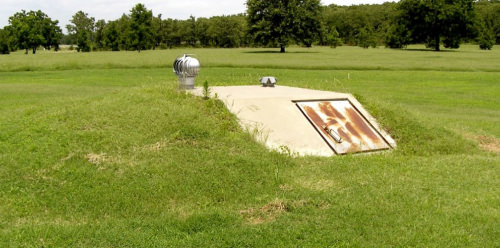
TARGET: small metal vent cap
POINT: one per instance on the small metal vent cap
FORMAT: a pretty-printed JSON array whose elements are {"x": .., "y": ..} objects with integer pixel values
[{"x": 268, "y": 81}]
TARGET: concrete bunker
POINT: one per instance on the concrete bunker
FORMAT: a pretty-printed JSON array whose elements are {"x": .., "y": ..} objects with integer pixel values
[{"x": 307, "y": 122}]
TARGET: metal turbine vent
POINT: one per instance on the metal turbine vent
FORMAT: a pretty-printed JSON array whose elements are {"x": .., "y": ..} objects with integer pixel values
[{"x": 186, "y": 68}]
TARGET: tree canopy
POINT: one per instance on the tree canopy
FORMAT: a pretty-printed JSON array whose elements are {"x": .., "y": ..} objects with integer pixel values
[
  {"x": 436, "y": 21},
  {"x": 277, "y": 22},
  {"x": 141, "y": 32},
  {"x": 33, "y": 29},
  {"x": 82, "y": 29},
  {"x": 269, "y": 23},
  {"x": 4, "y": 42},
  {"x": 488, "y": 23}
]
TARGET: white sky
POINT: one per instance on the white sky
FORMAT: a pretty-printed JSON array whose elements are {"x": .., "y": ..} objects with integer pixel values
[{"x": 63, "y": 10}]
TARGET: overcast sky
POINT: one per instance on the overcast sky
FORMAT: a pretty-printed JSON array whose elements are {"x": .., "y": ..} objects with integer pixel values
[{"x": 62, "y": 10}]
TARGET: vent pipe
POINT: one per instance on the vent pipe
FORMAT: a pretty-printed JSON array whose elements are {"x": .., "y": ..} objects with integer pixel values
[{"x": 186, "y": 68}]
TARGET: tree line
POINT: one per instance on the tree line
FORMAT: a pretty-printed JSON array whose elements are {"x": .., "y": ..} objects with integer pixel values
[
  {"x": 140, "y": 30},
  {"x": 268, "y": 23}
]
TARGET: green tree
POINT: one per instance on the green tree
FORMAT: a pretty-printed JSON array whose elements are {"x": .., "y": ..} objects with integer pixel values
[
  {"x": 397, "y": 36},
  {"x": 365, "y": 38},
  {"x": 52, "y": 33},
  {"x": 111, "y": 36},
  {"x": 277, "y": 22},
  {"x": 433, "y": 21},
  {"x": 226, "y": 31},
  {"x": 350, "y": 21},
  {"x": 486, "y": 40},
  {"x": 329, "y": 36},
  {"x": 158, "y": 31},
  {"x": 33, "y": 29},
  {"x": 82, "y": 29},
  {"x": 99, "y": 38},
  {"x": 190, "y": 36},
  {"x": 487, "y": 24},
  {"x": 124, "y": 29},
  {"x": 173, "y": 29},
  {"x": 202, "y": 29},
  {"x": 5, "y": 41},
  {"x": 141, "y": 31}
]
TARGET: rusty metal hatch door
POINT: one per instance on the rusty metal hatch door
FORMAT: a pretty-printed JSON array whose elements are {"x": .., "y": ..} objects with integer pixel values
[{"x": 342, "y": 126}]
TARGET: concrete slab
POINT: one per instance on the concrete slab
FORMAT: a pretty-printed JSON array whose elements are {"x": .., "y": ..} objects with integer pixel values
[{"x": 272, "y": 116}]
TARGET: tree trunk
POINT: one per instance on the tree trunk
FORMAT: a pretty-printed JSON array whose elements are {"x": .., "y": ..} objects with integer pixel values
[
  {"x": 26, "y": 52},
  {"x": 282, "y": 49},
  {"x": 437, "y": 40},
  {"x": 34, "y": 50}
]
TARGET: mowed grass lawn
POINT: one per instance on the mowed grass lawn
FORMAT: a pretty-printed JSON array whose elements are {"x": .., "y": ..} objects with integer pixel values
[{"x": 100, "y": 150}]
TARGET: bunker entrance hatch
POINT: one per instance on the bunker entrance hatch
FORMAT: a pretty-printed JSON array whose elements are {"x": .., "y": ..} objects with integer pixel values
[{"x": 342, "y": 126}]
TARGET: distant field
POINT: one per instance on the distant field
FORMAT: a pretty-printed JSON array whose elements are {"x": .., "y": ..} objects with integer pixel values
[
  {"x": 100, "y": 150},
  {"x": 469, "y": 58}
]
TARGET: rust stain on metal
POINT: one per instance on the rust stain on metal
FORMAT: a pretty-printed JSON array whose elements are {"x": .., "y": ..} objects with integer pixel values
[
  {"x": 315, "y": 117},
  {"x": 340, "y": 115},
  {"x": 354, "y": 145},
  {"x": 329, "y": 110},
  {"x": 352, "y": 130},
  {"x": 344, "y": 135},
  {"x": 332, "y": 122},
  {"x": 317, "y": 120},
  {"x": 361, "y": 125}
]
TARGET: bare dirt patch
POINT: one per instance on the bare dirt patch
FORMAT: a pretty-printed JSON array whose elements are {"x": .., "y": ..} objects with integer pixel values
[
  {"x": 286, "y": 187},
  {"x": 96, "y": 159},
  {"x": 487, "y": 143},
  {"x": 67, "y": 157},
  {"x": 156, "y": 147},
  {"x": 320, "y": 184},
  {"x": 265, "y": 214}
]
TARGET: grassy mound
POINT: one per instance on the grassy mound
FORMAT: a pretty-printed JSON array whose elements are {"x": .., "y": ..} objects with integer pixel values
[
  {"x": 151, "y": 165},
  {"x": 416, "y": 137}
]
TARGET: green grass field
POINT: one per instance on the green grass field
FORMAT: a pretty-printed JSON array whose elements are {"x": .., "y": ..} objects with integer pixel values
[{"x": 100, "y": 150}]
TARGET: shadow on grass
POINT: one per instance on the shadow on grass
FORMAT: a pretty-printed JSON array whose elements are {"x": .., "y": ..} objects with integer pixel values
[
  {"x": 277, "y": 51},
  {"x": 427, "y": 50}
]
